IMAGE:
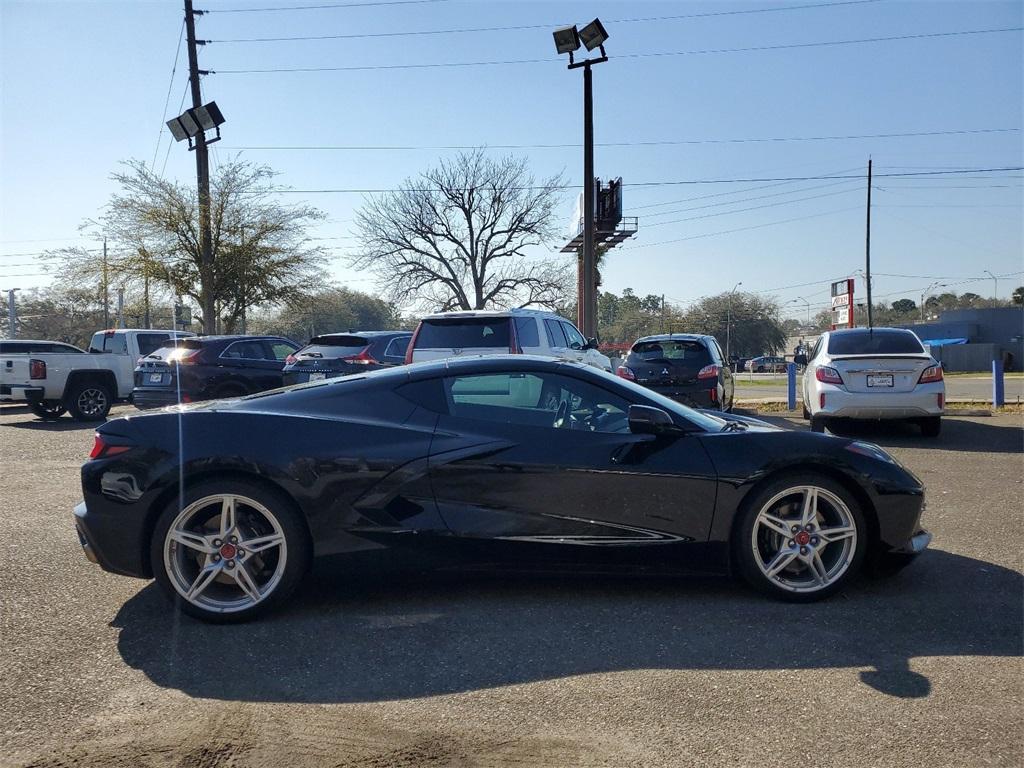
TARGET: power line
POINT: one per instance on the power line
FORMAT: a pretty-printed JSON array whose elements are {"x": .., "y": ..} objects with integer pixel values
[
  {"x": 167, "y": 99},
  {"x": 552, "y": 25},
  {"x": 751, "y": 208},
  {"x": 170, "y": 144},
  {"x": 612, "y": 144},
  {"x": 750, "y": 49},
  {"x": 325, "y": 6},
  {"x": 741, "y": 200},
  {"x": 370, "y": 191}
]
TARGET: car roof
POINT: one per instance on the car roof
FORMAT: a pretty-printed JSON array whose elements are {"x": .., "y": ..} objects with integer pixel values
[
  {"x": 35, "y": 341},
  {"x": 368, "y": 334},
  {"x": 863, "y": 331},
  {"x": 143, "y": 330},
  {"x": 496, "y": 313}
]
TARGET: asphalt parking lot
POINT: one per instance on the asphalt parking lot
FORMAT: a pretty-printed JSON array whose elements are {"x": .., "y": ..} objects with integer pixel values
[{"x": 923, "y": 668}]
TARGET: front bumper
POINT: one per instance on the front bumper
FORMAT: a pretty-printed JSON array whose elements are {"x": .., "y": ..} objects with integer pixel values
[
  {"x": 923, "y": 401},
  {"x": 917, "y": 544}
]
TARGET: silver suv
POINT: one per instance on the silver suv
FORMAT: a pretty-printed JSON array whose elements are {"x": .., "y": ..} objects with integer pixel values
[{"x": 514, "y": 331}]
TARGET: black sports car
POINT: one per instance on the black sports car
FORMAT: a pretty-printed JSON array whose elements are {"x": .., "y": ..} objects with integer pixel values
[{"x": 511, "y": 459}]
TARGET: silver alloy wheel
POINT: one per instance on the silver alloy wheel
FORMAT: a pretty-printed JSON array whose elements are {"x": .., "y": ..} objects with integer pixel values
[
  {"x": 804, "y": 538},
  {"x": 92, "y": 401},
  {"x": 225, "y": 553}
]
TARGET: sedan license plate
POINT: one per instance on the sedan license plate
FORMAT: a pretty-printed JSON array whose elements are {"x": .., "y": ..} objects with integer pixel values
[
  {"x": 317, "y": 376},
  {"x": 880, "y": 381},
  {"x": 156, "y": 378}
]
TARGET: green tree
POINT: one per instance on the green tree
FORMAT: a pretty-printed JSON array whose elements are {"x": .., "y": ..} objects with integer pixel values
[
  {"x": 1018, "y": 295},
  {"x": 744, "y": 322},
  {"x": 332, "y": 310},
  {"x": 261, "y": 254},
  {"x": 904, "y": 306}
]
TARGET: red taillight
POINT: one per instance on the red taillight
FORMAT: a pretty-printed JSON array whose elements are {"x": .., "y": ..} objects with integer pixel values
[
  {"x": 102, "y": 449},
  {"x": 36, "y": 369},
  {"x": 827, "y": 375},
  {"x": 708, "y": 372},
  {"x": 291, "y": 360},
  {"x": 363, "y": 358},
  {"x": 931, "y": 374},
  {"x": 412, "y": 344},
  {"x": 625, "y": 373}
]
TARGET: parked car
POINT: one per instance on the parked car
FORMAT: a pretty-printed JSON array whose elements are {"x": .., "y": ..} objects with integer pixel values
[
  {"x": 686, "y": 367},
  {"x": 208, "y": 367},
  {"x": 468, "y": 461},
  {"x": 766, "y": 364},
  {"x": 342, "y": 354},
  {"x": 485, "y": 332},
  {"x": 52, "y": 377},
  {"x": 879, "y": 373}
]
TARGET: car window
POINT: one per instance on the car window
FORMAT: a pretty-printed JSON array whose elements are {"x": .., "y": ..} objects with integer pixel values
[
  {"x": 556, "y": 336},
  {"x": 526, "y": 331},
  {"x": 244, "y": 350},
  {"x": 150, "y": 341},
  {"x": 574, "y": 337},
  {"x": 543, "y": 400},
  {"x": 109, "y": 341},
  {"x": 280, "y": 349},
  {"x": 816, "y": 349},
  {"x": 878, "y": 341},
  {"x": 674, "y": 350},
  {"x": 717, "y": 351},
  {"x": 397, "y": 346},
  {"x": 66, "y": 349},
  {"x": 463, "y": 333}
]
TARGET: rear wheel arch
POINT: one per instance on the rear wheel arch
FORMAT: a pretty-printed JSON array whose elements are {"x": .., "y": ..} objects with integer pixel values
[
  {"x": 855, "y": 489},
  {"x": 77, "y": 378},
  {"x": 227, "y": 476}
]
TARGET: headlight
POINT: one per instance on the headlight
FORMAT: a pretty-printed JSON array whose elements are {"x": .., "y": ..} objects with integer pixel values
[{"x": 871, "y": 451}]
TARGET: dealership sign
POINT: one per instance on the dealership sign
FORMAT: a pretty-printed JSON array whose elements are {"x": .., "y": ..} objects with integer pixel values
[{"x": 842, "y": 304}]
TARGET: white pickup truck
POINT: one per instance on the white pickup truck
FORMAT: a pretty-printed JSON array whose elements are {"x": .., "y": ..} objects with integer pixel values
[{"x": 52, "y": 377}]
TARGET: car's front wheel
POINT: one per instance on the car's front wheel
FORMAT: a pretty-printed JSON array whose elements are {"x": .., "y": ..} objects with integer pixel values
[
  {"x": 229, "y": 551},
  {"x": 801, "y": 538}
]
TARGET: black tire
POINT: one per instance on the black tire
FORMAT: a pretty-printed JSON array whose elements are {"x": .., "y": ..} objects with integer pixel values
[
  {"x": 931, "y": 426},
  {"x": 47, "y": 410},
  {"x": 817, "y": 424},
  {"x": 846, "y": 561},
  {"x": 806, "y": 413},
  {"x": 296, "y": 550},
  {"x": 89, "y": 401}
]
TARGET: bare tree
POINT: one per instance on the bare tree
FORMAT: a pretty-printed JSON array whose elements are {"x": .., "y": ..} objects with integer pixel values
[
  {"x": 260, "y": 251},
  {"x": 457, "y": 236}
]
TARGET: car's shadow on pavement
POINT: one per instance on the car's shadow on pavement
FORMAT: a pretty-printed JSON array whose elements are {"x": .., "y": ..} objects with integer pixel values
[
  {"x": 395, "y": 637},
  {"x": 63, "y": 424},
  {"x": 957, "y": 435}
]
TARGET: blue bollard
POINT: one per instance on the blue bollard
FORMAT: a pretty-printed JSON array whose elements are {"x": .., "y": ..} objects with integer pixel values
[
  {"x": 791, "y": 376},
  {"x": 998, "y": 391}
]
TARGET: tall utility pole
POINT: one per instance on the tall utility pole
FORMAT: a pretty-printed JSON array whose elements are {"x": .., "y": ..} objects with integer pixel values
[
  {"x": 867, "y": 247},
  {"x": 995, "y": 284},
  {"x": 12, "y": 316},
  {"x": 202, "y": 177},
  {"x": 106, "y": 288},
  {"x": 663, "y": 313},
  {"x": 589, "y": 289}
]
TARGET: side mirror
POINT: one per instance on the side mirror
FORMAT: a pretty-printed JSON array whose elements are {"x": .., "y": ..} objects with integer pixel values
[
  {"x": 591, "y": 344},
  {"x": 647, "y": 420},
  {"x": 800, "y": 359}
]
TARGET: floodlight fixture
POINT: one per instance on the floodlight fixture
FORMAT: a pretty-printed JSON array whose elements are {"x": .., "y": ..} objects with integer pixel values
[
  {"x": 198, "y": 120},
  {"x": 593, "y": 35},
  {"x": 567, "y": 39}
]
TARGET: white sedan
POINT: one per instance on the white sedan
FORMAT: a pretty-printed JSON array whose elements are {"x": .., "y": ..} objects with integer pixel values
[{"x": 877, "y": 373}]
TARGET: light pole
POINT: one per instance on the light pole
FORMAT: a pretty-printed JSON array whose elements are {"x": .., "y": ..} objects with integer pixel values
[
  {"x": 925, "y": 295},
  {"x": 568, "y": 40},
  {"x": 12, "y": 318},
  {"x": 805, "y": 301},
  {"x": 995, "y": 287},
  {"x": 728, "y": 324}
]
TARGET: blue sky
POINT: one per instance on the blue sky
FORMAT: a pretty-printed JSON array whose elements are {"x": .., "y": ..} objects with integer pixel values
[{"x": 85, "y": 84}]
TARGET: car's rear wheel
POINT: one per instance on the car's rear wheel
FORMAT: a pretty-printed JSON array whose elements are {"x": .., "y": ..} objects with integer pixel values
[
  {"x": 47, "y": 409},
  {"x": 806, "y": 413},
  {"x": 801, "y": 538},
  {"x": 89, "y": 401},
  {"x": 229, "y": 551},
  {"x": 931, "y": 426},
  {"x": 817, "y": 423}
]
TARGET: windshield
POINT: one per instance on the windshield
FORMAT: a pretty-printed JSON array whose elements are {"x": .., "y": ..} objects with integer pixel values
[
  {"x": 703, "y": 420},
  {"x": 329, "y": 347},
  {"x": 881, "y": 341}
]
